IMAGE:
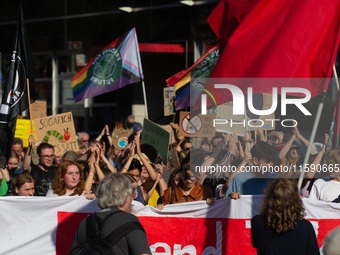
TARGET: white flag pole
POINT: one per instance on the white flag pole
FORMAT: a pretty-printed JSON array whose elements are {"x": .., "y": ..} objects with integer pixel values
[{"x": 145, "y": 102}]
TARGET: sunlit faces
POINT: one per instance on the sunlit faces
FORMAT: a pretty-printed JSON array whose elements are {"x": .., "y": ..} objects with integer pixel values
[
  {"x": 72, "y": 176},
  {"x": 57, "y": 160},
  {"x": 144, "y": 173},
  {"x": 177, "y": 178},
  {"x": 189, "y": 180},
  {"x": 186, "y": 148},
  {"x": 85, "y": 139},
  {"x": 135, "y": 191},
  {"x": 25, "y": 190},
  {"x": 294, "y": 152},
  {"x": 17, "y": 149},
  {"x": 134, "y": 173},
  {"x": 46, "y": 157},
  {"x": 12, "y": 163}
]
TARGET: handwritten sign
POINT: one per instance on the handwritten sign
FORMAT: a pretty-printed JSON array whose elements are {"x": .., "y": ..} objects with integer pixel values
[
  {"x": 169, "y": 101},
  {"x": 23, "y": 130},
  {"x": 120, "y": 137},
  {"x": 59, "y": 131},
  {"x": 156, "y": 136},
  {"x": 197, "y": 126},
  {"x": 38, "y": 109}
]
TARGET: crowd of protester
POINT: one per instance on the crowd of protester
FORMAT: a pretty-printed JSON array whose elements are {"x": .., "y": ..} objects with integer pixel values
[{"x": 210, "y": 170}]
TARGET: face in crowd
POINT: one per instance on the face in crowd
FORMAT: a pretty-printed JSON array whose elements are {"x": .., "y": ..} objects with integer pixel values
[
  {"x": 17, "y": 149},
  {"x": 12, "y": 164},
  {"x": 294, "y": 152},
  {"x": 72, "y": 177},
  {"x": 84, "y": 139},
  {"x": 188, "y": 180},
  {"x": 46, "y": 157},
  {"x": 25, "y": 190}
]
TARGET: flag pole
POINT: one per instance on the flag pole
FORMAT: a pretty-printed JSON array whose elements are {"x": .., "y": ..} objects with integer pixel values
[
  {"x": 29, "y": 104},
  {"x": 145, "y": 103},
  {"x": 316, "y": 123},
  {"x": 312, "y": 136},
  {"x": 336, "y": 77}
]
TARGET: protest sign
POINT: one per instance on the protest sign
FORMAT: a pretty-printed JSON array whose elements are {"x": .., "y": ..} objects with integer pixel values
[
  {"x": 120, "y": 137},
  {"x": 218, "y": 225},
  {"x": 171, "y": 132},
  {"x": 59, "y": 131},
  {"x": 156, "y": 136},
  {"x": 38, "y": 109},
  {"x": 169, "y": 101},
  {"x": 197, "y": 126},
  {"x": 173, "y": 160},
  {"x": 23, "y": 130}
]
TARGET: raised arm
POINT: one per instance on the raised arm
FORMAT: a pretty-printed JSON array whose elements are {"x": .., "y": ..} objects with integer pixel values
[
  {"x": 27, "y": 159},
  {"x": 102, "y": 156},
  {"x": 298, "y": 135},
  {"x": 147, "y": 165},
  {"x": 317, "y": 161},
  {"x": 130, "y": 158},
  {"x": 92, "y": 171},
  {"x": 286, "y": 147}
]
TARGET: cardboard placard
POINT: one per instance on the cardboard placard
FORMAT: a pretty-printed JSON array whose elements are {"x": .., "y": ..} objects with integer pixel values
[
  {"x": 174, "y": 160},
  {"x": 23, "y": 130},
  {"x": 169, "y": 101},
  {"x": 38, "y": 109},
  {"x": 156, "y": 136},
  {"x": 169, "y": 129},
  {"x": 197, "y": 126},
  {"x": 120, "y": 137},
  {"x": 59, "y": 131}
]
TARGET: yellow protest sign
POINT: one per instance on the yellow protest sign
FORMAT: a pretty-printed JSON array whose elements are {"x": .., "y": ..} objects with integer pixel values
[{"x": 23, "y": 130}]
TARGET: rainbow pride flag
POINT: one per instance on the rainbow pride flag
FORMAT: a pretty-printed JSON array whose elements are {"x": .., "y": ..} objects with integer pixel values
[
  {"x": 114, "y": 67},
  {"x": 185, "y": 95}
]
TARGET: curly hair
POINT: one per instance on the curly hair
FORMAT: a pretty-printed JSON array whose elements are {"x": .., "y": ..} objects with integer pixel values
[
  {"x": 59, "y": 185},
  {"x": 282, "y": 205}
]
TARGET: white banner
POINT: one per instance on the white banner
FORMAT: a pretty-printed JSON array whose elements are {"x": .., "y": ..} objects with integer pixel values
[{"x": 40, "y": 225}]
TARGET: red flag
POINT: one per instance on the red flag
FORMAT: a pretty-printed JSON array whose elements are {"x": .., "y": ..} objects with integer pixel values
[{"x": 276, "y": 39}]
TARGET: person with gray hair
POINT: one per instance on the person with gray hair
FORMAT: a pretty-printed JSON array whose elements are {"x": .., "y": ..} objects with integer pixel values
[
  {"x": 114, "y": 196},
  {"x": 84, "y": 138},
  {"x": 70, "y": 155},
  {"x": 331, "y": 245}
]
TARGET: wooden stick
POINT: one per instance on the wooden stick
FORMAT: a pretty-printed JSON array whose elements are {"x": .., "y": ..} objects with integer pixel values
[{"x": 29, "y": 104}]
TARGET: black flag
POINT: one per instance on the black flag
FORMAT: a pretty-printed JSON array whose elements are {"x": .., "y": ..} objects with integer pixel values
[{"x": 15, "y": 97}]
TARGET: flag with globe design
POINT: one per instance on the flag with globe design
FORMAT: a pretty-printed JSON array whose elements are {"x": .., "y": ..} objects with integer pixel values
[{"x": 114, "y": 67}]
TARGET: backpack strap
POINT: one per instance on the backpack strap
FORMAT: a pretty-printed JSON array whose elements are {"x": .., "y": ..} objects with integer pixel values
[
  {"x": 92, "y": 221},
  {"x": 122, "y": 231}
]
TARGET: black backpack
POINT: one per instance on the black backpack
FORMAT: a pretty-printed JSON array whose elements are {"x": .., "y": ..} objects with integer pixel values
[{"x": 94, "y": 245}]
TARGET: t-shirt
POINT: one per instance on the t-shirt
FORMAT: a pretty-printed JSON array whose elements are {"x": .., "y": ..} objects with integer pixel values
[
  {"x": 51, "y": 194},
  {"x": 325, "y": 190},
  {"x": 134, "y": 243},
  {"x": 247, "y": 184},
  {"x": 300, "y": 241},
  {"x": 42, "y": 180}
]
